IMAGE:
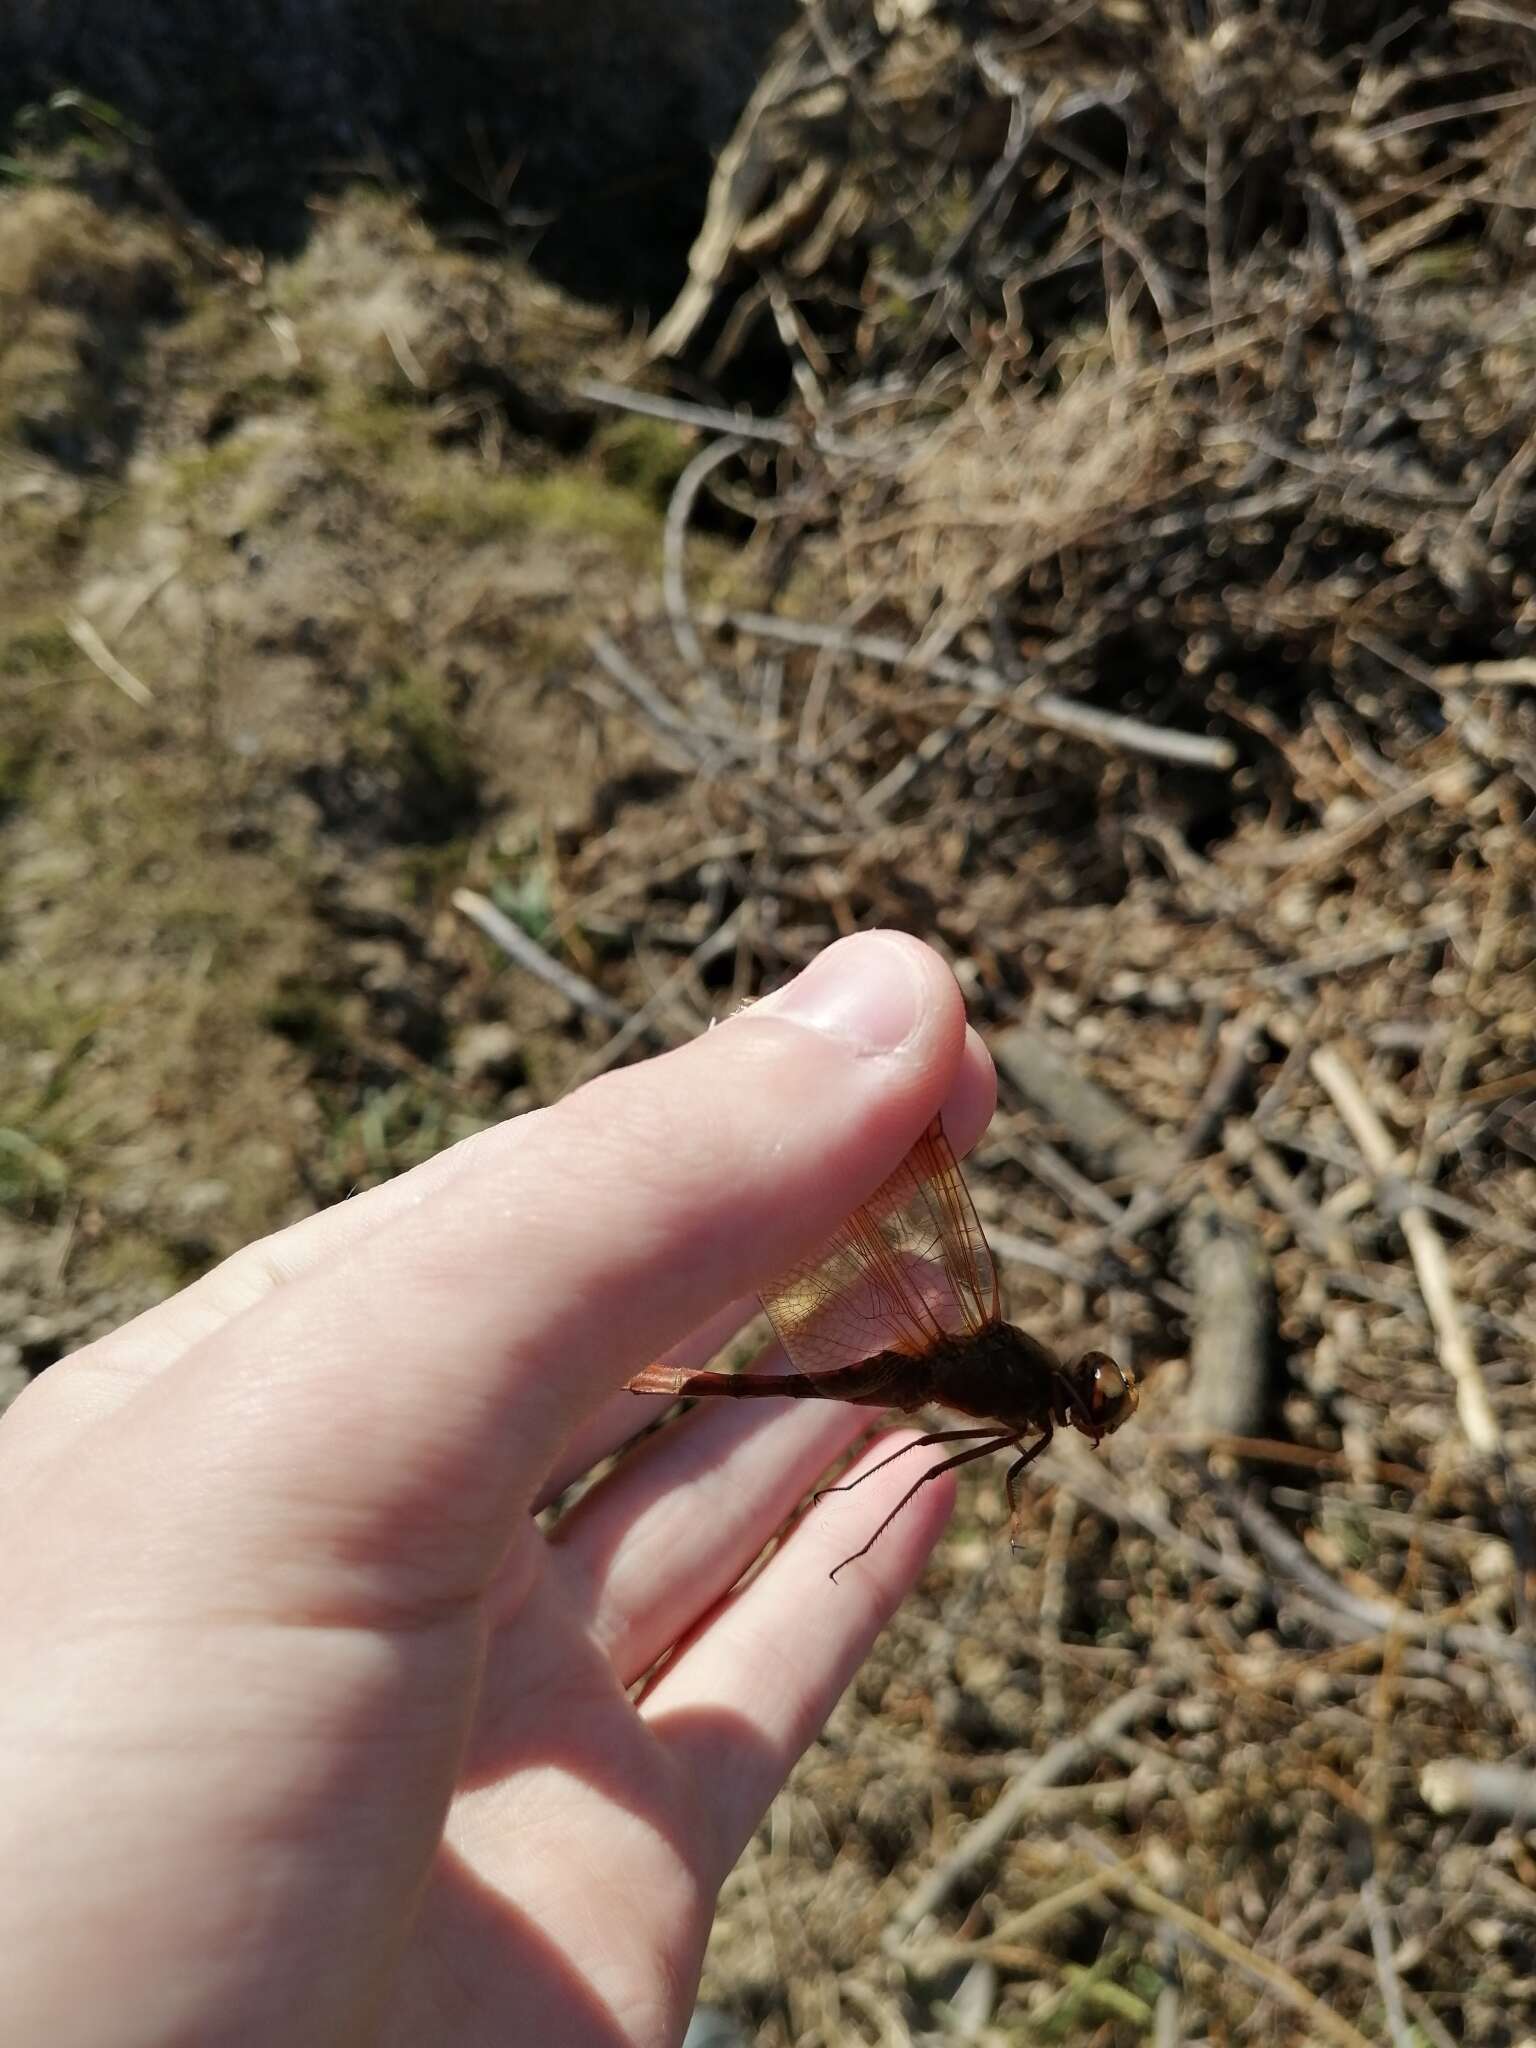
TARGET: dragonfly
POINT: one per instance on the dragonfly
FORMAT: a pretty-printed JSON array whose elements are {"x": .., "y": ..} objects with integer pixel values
[{"x": 902, "y": 1310}]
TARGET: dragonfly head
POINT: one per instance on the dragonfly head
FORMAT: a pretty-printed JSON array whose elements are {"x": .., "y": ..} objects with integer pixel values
[{"x": 1103, "y": 1394}]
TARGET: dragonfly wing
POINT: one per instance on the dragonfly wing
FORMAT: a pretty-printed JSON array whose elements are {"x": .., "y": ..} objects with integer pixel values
[
  {"x": 962, "y": 1243},
  {"x": 906, "y": 1270}
]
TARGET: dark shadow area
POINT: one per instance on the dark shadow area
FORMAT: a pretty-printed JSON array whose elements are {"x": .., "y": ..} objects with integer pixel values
[{"x": 581, "y": 138}]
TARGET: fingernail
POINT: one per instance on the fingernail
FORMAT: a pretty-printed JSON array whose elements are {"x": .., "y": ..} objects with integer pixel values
[{"x": 866, "y": 991}]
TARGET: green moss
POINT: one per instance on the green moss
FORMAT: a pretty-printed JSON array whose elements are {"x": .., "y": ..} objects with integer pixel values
[
  {"x": 934, "y": 227},
  {"x": 20, "y": 759},
  {"x": 42, "y": 389},
  {"x": 370, "y": 423},
  {"x": 409, "y": 729},
  {"x": 43, "y": 649},
  {"x": 571, "y": 502},
  {"x": 369, "y": 225},
  {"x": 467, "y": 505},
  {"x": 412, "y": 710},
  {"x": 643, "y": 455},
  {"x": 199, "y": 470}
]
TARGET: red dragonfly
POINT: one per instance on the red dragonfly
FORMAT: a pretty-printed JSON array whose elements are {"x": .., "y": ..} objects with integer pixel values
[{"x": 902, "y": 1309}]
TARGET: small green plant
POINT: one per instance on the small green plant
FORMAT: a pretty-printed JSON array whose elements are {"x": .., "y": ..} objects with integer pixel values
[
  {"x": 1091, "y": 1996},
  {"x": 79, "y": 118},
  {"x": 389, "y": 1131},
  {"x": 32, "y": 1176},
  {"x": 44, "y": 1128},
  {"x": 527, "y": 901}
]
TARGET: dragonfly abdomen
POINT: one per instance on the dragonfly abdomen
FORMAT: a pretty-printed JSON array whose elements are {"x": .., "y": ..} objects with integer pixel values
[{"x": 883, "y": 1381}]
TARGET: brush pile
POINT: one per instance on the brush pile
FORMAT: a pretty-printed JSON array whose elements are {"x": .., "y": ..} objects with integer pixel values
[{"x": 1139, "y": 601}]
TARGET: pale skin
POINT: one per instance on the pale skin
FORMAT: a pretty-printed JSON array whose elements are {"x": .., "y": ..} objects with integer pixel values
[{"x": 308, "y": 1734}]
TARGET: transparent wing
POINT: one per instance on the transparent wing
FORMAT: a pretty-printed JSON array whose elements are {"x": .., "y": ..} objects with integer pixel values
[{"x": 908, "y": 1268}]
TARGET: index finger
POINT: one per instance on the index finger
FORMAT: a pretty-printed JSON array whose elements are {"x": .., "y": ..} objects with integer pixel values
[{"x": 402, "y": 1406}]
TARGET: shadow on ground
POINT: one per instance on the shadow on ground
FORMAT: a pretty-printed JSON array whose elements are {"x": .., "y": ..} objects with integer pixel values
[{"x": 582, "y": 135}]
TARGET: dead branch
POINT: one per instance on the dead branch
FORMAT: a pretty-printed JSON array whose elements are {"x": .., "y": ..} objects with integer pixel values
[
  {"x": 1503, "y": 1792},
  {"x": 1231, "y": 1340},
  {"x": 96, "y": 650},
  {"x": 1426, "y": 1248},
  {"x": 1111, "y": 1137},
  {"x": 528, "y": 953},
  {"x": 983, "y": 1841},
  {"x": 1029, "y": 704},
  {"x": 683, "y": 413}
]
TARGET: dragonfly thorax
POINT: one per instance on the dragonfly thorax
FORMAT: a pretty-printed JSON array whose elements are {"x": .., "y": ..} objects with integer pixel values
[{"x": 999, "y": 1374}]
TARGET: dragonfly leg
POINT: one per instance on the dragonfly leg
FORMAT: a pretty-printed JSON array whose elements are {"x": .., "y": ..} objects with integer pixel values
[
  {"x": 937, "y": 1436},
  {"x": 994, "y": 1442},
  {"x": 1015, "y": 1506}
]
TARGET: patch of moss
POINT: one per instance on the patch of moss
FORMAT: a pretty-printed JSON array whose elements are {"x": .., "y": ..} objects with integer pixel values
[
  {"x": 935, "y": 226},
  {"x": 409, "y": 728},
  {"x": 43, "y": 649},
  {"x": 370, "y": 423},
  {"x": 467, "y": 505},
  {"x": 197, "y": 471},
  {"x": 19, "y": 760},
  {"x": 370, "y": 228},
  {"x": 643, "y": 455}
]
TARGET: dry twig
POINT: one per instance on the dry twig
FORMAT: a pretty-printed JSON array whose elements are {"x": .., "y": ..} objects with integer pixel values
[
  {"x": 528, "y": 953},
  {"x": 1426, "y": 1248},
  {"x": 1030, "y": 704},
  {"x": 989, "y": 1835}
]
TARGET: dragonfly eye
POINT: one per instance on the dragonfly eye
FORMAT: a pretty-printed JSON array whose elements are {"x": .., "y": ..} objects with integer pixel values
[{"x": 1108, "y": 1389}]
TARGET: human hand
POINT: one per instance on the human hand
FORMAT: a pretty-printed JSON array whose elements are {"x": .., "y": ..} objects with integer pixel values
[{"x": 308, "y": 1733}]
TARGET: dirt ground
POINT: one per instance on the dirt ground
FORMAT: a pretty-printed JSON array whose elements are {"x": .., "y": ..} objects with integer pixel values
[
  {"x": 336, "y": 595},
  {"x": 1086, "y": 517}
]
